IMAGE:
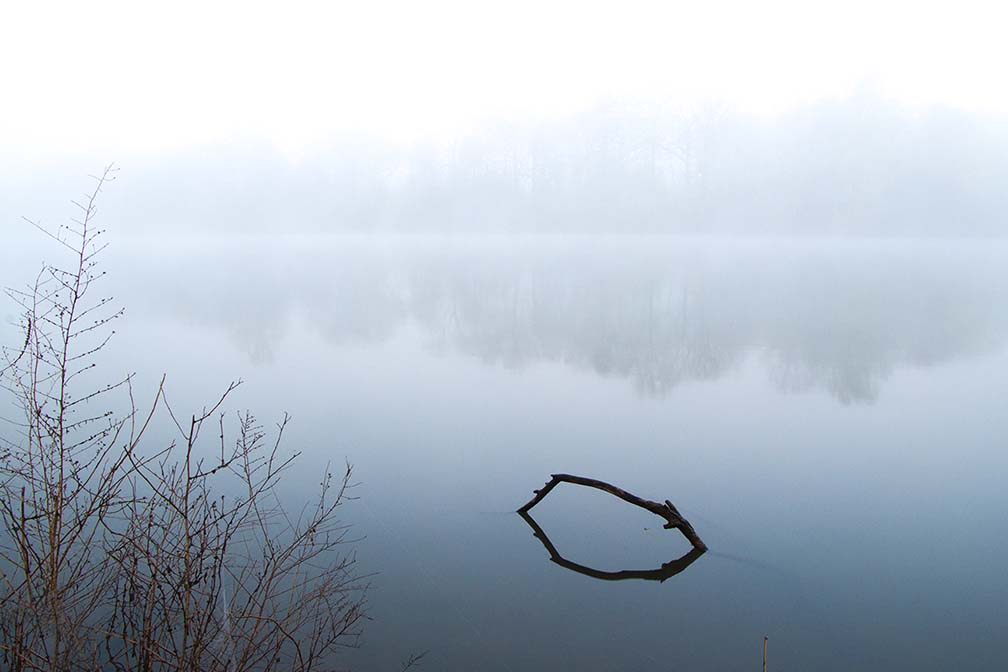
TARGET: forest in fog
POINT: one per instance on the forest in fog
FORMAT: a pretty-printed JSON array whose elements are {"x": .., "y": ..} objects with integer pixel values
[{"x": 856, "y": 166}]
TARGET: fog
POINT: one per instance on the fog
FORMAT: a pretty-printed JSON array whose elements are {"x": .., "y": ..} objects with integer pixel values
[
  {"x": 749, "y": 257},
  {"x": 837, "y": 317},
  {"x": 660, "y": 118},
  {"x": 860, "y": 166}
]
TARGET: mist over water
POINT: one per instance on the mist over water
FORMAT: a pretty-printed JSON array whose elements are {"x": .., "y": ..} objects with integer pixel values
[
  {"x": 826, "y": 413},
  {"x": 750, "y": 258},
  {"x": 832, "y": 316}
]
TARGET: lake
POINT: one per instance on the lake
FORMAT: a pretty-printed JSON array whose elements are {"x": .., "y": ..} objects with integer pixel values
[{"x": 828, "y": 414}]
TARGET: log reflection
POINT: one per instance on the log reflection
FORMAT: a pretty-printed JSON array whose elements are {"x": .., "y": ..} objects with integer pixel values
[{"x": 660, "y": 574}]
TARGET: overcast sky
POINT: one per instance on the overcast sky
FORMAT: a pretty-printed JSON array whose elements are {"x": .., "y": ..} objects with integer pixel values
[{"x": 120, "y": 78}]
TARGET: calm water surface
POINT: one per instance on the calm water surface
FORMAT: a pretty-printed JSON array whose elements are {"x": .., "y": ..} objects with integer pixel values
[{"x": 829, "y": 415}]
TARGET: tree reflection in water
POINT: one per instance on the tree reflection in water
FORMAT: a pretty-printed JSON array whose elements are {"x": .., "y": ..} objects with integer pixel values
[{"x": 840, "y": 318}]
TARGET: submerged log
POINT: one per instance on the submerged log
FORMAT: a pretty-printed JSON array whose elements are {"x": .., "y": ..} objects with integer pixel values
[{"x": 667, "y": 511}]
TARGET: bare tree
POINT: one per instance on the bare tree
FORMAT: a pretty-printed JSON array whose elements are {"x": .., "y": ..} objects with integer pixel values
[{"x": 118, "y": 555}]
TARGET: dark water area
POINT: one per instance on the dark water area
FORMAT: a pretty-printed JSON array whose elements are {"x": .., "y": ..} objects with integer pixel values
[{"x": 829, "y": 414}]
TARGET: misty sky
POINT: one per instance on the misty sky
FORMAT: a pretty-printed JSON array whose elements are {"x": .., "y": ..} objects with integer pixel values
[{"x": 118, "y": 79}]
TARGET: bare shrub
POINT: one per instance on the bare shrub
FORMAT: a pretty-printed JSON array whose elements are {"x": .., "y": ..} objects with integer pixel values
[{"x": 116, "y": 555}]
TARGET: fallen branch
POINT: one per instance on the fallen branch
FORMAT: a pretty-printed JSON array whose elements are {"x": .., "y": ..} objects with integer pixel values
[{"x": 668, "y": 511}]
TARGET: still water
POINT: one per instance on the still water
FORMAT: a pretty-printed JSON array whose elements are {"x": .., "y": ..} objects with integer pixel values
[{"x": 830, "y": 416}]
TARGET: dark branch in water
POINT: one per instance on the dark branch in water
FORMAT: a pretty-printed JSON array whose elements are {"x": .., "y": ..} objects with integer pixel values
[
  {"x": 668, "y": 511},
  {"x": 660, "y": 574}
]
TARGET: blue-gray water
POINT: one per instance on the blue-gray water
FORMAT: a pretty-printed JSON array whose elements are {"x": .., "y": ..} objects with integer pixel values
[{"x": 828, "y": 414}]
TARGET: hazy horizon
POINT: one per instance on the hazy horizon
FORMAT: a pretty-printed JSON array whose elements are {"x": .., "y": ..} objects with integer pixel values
[{"x": 724, "y": 119}]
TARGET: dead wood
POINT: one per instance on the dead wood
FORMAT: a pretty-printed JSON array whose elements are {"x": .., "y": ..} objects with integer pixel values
[{"x": 667, "y": 511}]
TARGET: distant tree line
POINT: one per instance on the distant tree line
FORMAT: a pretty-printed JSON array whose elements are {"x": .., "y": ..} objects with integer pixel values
[{"x": 859, "y": 166}]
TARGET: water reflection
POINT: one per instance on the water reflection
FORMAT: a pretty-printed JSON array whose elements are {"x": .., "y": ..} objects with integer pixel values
[
  {"x": 659, "y": 574},
  {"x": 834, "y": 317}
]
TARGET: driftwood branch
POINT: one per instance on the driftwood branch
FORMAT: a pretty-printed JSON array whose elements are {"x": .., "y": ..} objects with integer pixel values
[
  {"x": 660, "y": 574},
  {"x": 673, "y": 519}
]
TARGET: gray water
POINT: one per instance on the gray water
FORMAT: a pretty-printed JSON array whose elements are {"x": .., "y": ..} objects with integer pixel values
[{"x": 829, "y": 414}]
